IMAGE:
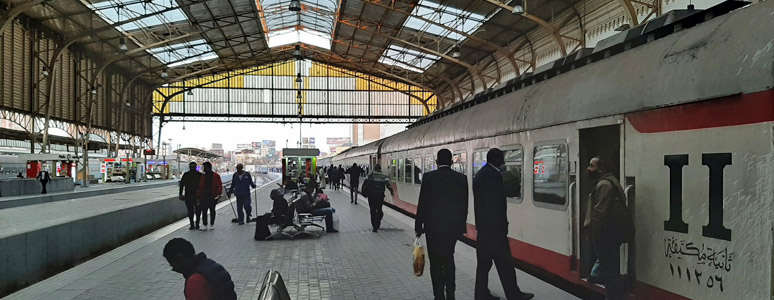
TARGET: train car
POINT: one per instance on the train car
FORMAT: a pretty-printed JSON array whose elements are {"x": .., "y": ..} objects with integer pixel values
[{"x": 683, "y": 107}]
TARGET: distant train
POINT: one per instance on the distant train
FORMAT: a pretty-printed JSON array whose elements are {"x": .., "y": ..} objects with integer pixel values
[{"x": 684, "y": 108}]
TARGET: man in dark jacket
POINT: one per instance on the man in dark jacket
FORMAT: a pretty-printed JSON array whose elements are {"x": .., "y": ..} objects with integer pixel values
[
  {"x": 204, "y": 278},
  {"x": 44, "y": 178},
  {"x": 606, "y": 200},
  {"x": 441, "y": 213},
  {"x": 190, "y": 184},
  {"x": 492, "y": 230},
  {"x": 210, "y": 188},
  {"x": 379, "y": 182},
  {"x": 354, "y": 181},
  {"x": 241, "y": 183}
]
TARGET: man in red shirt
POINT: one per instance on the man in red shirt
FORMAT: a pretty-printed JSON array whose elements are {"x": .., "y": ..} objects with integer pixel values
[
  {"x": 210, "y": 188},
  {"x": 204, "y": 278}
]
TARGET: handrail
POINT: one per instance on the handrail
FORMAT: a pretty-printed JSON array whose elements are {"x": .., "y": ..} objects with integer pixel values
[{"x": 273, "y": 287}]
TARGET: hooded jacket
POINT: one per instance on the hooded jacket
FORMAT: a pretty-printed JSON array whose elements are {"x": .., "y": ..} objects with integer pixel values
[{"x": 217, "y": 279}]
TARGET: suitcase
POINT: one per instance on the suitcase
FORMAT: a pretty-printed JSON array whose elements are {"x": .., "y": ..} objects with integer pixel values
[{"x": 262, "y": 227}]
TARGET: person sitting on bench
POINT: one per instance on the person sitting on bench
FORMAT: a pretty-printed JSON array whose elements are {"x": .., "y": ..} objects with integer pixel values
[{"x": 309, "y": 204}]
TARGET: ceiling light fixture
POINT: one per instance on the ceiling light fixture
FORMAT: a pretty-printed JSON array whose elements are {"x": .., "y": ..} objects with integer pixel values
[
  {"x": 122, "y": 44},
  {"x": 295, "y": 5},
  {"x": 44, "y": 72},
  {"x": 519, "y": 8},
  {"x": 93, "y": 90},
  {"x": 297, "y": 53},
  {"x": 455, "y": 51},
  {"x": 128, "y": 104},
  {"x": 190, "y": 92},
  {"x": 164, "y": 74},
  {"x": 298, "y": 78}
]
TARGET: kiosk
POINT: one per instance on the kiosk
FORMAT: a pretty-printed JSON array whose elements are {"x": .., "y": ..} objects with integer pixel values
[{"x": 299, "y": 162}]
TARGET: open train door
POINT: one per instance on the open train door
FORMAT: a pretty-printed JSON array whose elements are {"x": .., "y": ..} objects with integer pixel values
[{"x": 605, "y": 141}]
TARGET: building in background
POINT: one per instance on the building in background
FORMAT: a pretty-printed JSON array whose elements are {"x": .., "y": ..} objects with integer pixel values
[
  {"x": 308, "y": 143},
  {"x": 218, "y": 149}
]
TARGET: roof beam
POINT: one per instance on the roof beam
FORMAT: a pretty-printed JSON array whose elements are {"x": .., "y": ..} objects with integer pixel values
[{"x": 551, "y": 29}]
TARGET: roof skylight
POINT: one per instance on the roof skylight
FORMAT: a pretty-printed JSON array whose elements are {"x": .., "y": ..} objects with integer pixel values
[
  {"x": 313, "y": 25},
  {"x": 451, "y": 17},
  {"x": 184, "y": 53},
  {"x": 412, "y": 60},
  {"x": 114, "y": 11}
]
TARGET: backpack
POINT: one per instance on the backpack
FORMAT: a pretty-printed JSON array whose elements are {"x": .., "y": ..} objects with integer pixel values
[
  {"x": 624, "y": 229},
  {"x": 366, "y": 189}
]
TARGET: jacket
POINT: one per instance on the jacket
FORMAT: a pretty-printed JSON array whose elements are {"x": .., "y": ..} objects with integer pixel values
[
  {"x": 354, "y": 175},
  {"x": 44, "y": 176},
  {"x": 241, "y": 187},
  {"x": 217, "y": 279},
  {"x": 190, "y": 183},
  {"x": 605, "y": 201},
  {"x": 216, "y": 188},
  {"x": 489, "y": 202},
  {"x": 443, "y": 202},
  {"x": 379, "y": 182}
]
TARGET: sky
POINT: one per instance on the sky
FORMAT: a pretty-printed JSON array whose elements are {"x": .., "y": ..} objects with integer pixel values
[{"x": 204, "y": 134}]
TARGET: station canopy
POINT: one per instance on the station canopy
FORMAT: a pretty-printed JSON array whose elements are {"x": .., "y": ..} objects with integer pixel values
[{"x": 425, "y": 44}]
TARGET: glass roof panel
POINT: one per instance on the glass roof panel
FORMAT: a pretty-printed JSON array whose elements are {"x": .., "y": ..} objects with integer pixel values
[
  {"x": 412, "y": 60},
  {"x": 451, "y": 17},
  {"x": 184, "y": 53},
  {"x": 313, "y": 25},
  {"x": 114, "y": 11}
]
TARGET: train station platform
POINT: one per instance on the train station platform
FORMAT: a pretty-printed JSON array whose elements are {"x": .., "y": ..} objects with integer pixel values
[
  {"x": 354, "y": 263},
  {"x": 82, "y": 192}
]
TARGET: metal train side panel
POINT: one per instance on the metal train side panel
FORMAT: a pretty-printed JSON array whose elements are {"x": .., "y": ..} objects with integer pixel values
[{"x": 703, "y": 206}]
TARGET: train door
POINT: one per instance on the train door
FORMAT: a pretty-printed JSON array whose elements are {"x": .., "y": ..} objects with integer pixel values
[{"x": 602, "y": 141}]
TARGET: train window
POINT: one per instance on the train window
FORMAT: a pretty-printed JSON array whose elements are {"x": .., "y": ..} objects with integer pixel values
[
  {"x": 409, "y": 169},
  {"x": 550, "y": 173},
  {"x": 393, "y": 171},
  {"x": 418, "y": 169},
  {"x": 512, "y": 177},
  {"x": 459, "y": 159},
  {"x": 429, "y": 163},
  {"x": 479, "y": 160},
  {"x": 401, "y": 170}
]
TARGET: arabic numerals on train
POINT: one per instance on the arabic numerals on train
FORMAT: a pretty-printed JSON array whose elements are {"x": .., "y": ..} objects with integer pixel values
[{"x": 715, "y": 163}]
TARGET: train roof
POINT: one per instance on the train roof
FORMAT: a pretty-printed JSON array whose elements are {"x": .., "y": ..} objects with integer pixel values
[{"x": 731, "y": 54}]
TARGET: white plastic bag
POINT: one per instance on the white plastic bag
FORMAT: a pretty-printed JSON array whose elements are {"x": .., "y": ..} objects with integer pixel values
[{"x": 419, "y": 258}]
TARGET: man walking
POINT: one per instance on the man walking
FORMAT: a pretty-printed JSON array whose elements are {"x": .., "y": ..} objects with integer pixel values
[
  {"x": 204, "y": 278},
  {"x": 354, "y": 181},
  {"x": 190, "y": 184},
  {"x": 441, "y": 213},
  {"x": 604, "y": 212},
  {"x": 44, "y": 178},
  {"x": 210, "y": 188},
  {"x": 492, "y": 230},
  {"x": 241, "y": 183},
  {"x": 378, "y": 183}
]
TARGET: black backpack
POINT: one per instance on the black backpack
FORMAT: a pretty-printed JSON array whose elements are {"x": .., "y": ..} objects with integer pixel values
[{"x": 262, "y": 227}]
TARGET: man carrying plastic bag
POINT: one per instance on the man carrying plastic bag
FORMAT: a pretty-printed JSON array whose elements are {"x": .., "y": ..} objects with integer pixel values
[{"x": 419, "y": 258}]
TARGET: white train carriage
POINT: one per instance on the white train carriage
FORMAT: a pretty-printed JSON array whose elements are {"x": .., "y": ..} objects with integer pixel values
[{"x": 688, "y": 119}]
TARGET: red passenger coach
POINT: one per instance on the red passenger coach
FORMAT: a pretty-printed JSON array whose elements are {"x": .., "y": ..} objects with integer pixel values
[{"x": 684, "y": 110}]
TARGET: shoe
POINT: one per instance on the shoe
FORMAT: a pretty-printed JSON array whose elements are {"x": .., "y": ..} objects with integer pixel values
[
  {"x": 204, "y": 228},
  {"x": 212, "y": 227},
  {"x": 241, "y": 223},
  {"x": 248, "y": 219},
  {"x": 527, "y": 296},
  {"x": 332, "y": 231},
  {"x": 375, "y": 230},
  {"x": 197, "y": 226},
  {"x": 192, "y": 228}
]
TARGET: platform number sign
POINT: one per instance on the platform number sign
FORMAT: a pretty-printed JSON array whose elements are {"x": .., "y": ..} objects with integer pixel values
[{"x": 715, "y": 162}]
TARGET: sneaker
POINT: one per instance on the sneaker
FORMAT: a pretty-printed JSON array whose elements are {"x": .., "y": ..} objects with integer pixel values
[
  {"x": 192, "y": 228},
  {"x": 204, "y": 228},
  {"x": 248, "y": 219},
  {"x": 241, "y": 223},
  {"x": 212, "y": 227}
]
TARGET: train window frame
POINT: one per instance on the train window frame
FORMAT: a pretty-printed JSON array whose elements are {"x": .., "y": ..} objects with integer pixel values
[
  {"x": 430, "y": 163},
  {"x": 482, "y": 154},
  {"x": 401, "y": 170},
  {"x": 566, "y": 161},
  {"x": 392, "y": 174},
  {"x": 464, "y": 155},
  {"x": 408, "y": 169},
  {"x": 418, "y": 175},
  {"x": 505, "y": 150}
]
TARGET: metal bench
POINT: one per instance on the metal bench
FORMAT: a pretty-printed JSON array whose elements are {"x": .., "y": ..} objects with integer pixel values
[{"x": 273, "y": 287}]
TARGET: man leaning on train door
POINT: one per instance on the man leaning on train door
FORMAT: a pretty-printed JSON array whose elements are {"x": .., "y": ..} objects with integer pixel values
[
  {"x": 441, "y": 213},
  {"x": 610, "y": 223},
  {"x": 490, "y": 208}
]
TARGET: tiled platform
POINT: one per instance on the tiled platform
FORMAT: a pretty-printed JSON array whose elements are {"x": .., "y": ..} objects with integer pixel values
[
  {"x": 81, "y": 192},
  {"x": 352, "y": 264}
]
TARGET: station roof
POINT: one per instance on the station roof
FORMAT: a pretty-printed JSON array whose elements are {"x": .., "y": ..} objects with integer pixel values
[
  {"x": 411, "y": 41},
  {"x": 197, "y": 152}
]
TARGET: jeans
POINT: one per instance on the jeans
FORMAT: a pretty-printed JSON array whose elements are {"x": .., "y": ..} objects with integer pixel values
[
  {"x": 205, "y": 206},
  {"x": 243, "y": 202},
  {"x": 193, "y": 210},
  {"x": 353, "y": 191},
  {"x": 609, "y": 256},
  {"x": 440, "y": 250},
  {"x": 328, "y": 213},
  {"x": 494, "y": 247},
  {"x": 377, "y": 214}
]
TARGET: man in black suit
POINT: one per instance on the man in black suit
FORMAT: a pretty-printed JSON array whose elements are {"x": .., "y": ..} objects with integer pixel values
[
  {"x": 441, "y": 213},
  {"x": 492, "y": 226},
  {"x": 44, "y": 178}
]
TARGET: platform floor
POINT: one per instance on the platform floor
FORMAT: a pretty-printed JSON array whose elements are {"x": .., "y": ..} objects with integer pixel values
[{"x": 352, "y": 264}]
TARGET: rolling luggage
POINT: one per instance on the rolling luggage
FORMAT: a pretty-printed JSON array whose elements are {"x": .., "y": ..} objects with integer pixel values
[{"x": 262, "y": 227}]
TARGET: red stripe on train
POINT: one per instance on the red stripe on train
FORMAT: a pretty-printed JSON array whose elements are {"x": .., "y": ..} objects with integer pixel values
[
  {"x": 553, "y": 262},
  {"x": 726, "y": 111}
]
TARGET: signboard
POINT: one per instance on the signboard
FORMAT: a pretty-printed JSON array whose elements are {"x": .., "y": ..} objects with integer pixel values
[
  {"x": 103, "y": 168},
  {"x": 269, "y": 143},
  {"x": 243, "y": 146},
  {"x": 149, "y": 152},
  {"x": 256, "y": 145},
  {"x": 311, "y": 140},
  {"x": 338, "y": 141}
]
